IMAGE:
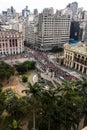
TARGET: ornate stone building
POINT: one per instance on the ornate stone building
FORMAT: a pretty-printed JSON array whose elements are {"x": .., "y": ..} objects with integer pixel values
[
  {"x": 11, "y": 42},
  {"x": 75, "y": 56}
]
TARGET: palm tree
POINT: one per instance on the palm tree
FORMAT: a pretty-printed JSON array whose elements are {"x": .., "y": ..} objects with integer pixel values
[
  {"x": 70, "y": 104},
  {"x": 16, "y": 107},
  {"x": 82, "y": 87},
  {"x": 2, "y": 99},
  {"x": 49, "y": 101},
  {"x": 33, "y": 93},
  {"x": 2, "y": 106}
]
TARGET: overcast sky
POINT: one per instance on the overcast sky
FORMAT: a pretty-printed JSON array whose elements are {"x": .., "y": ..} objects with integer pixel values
[{"x": 39, "y": 4}]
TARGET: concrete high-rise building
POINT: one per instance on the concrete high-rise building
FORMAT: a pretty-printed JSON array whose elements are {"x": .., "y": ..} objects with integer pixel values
[
  {"x": 53, "y": 30},
  {"x": 83, "y": 31},
  {"x": 13, "y": 11},
  {"x": 9, "y": 12},
  {"x": 58, "y": 12},
  {"x": 31, "y": 34},
  {"x": 74, "y": 30},
  {"x": 17, "y": 24},
  {"x": 31, "y": 30},
  {"x": 79, "y": 13},
  {"x": 73, "y": 6},
  {"x": 67, "y": 12},
  {"x": 25, "y": 12},
  {"x": 4, "y": 13},
  {"x": 48, "y": 11},
  {"x": 4, "y": 17},
  {"x": 35, "y": 11},
  {"x": 85, "y": 34},
  {"x": 84, "y": 15}
]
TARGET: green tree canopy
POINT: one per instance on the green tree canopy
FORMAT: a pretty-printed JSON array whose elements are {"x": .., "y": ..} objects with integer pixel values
[
  {"x": 57, "y": 49},
  {"x": 5, "y": 71},
  {"x": 24, "y": 79},
  {"x": 26, "y": 66}
]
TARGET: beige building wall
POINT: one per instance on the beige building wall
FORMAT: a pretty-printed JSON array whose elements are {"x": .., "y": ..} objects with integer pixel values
[
  {"x": 11, "y": 42},
  {"x": 75, "y": 56}
]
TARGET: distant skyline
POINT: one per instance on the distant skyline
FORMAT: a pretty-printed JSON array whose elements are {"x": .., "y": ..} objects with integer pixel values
[{"x": 39, "y": 4}]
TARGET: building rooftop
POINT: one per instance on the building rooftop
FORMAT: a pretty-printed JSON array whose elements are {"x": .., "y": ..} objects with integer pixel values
[
  {"x": 80, "y": 47},
  {"x": 8, "y": 30}
]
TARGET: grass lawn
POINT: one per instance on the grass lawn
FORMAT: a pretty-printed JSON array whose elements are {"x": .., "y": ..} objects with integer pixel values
[{"x": 28, "y": 73}]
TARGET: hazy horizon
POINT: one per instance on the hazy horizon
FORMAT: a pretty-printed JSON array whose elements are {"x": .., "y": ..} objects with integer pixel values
[{"x": 32, "y": 4}]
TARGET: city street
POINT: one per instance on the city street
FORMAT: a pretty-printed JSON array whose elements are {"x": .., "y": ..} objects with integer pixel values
[
  {"x": 45, "y": 64},
  {"x": 48, "y": 66}
]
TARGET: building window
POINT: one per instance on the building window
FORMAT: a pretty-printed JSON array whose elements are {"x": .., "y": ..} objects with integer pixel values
[
  {"x": 16, "y": 42},
  {"x": 78, "y": 56},
  {"x": 10, "y": 43}
]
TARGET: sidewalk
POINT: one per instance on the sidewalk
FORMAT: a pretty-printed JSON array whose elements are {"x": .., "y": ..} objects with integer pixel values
[{"x": 49, "y": 78}]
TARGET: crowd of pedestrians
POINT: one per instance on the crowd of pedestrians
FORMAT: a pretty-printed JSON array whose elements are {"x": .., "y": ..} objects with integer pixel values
[{"x": 43, "y": 60}]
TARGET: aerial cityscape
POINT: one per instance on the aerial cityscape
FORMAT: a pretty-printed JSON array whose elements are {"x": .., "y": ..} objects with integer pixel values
[{"x": 43, "y": 68}]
